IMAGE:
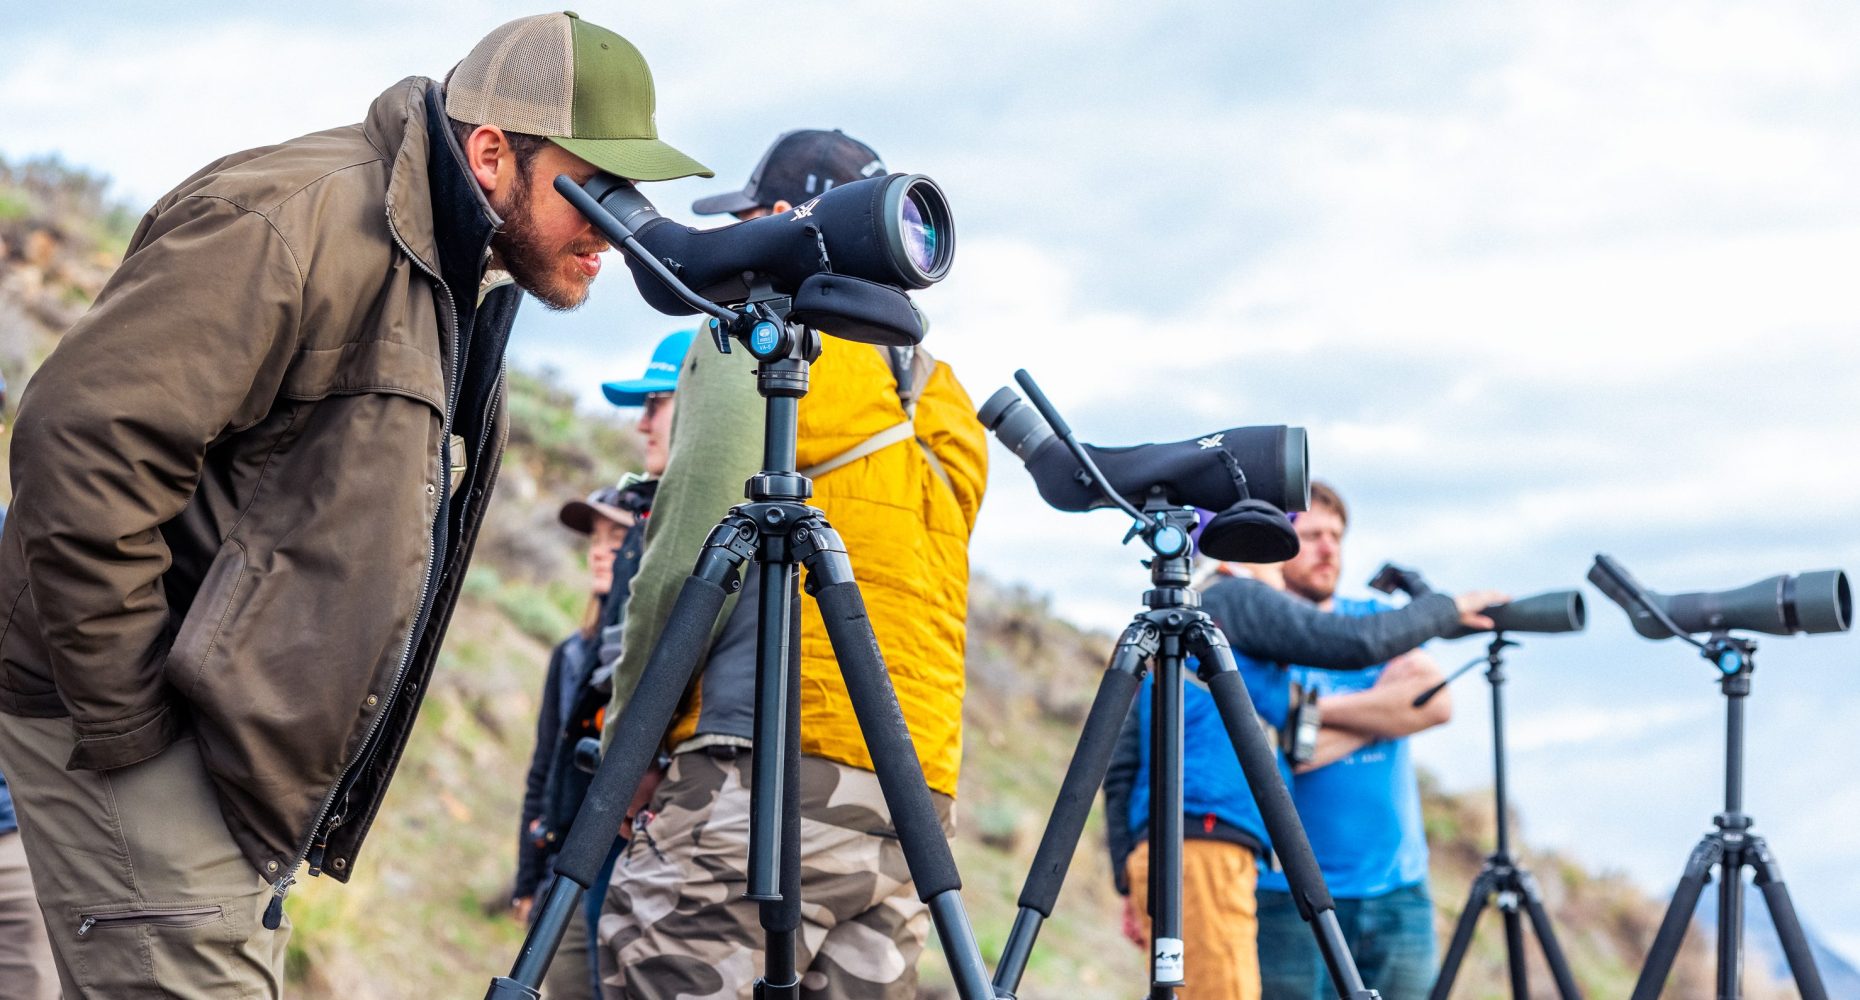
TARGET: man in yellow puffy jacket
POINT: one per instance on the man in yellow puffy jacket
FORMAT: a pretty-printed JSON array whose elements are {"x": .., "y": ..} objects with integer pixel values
[{"x": 898, "y": 463}]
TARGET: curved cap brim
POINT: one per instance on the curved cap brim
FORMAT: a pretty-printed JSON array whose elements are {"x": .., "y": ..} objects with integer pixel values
[
  {"x": 578, "y": 516},
  {"x": 728, "y": 203},
  {"x": 635, "y": 159},
  {"x": 633, "y": 391}
]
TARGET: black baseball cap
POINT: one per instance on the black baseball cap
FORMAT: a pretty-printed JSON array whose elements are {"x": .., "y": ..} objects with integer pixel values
[{"x": 802, "y": 165}]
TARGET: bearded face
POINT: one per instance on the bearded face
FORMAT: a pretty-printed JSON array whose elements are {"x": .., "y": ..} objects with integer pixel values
[{"x": 548, "y": 248}]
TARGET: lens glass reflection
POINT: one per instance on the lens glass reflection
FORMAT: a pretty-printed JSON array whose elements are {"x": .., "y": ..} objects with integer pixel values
[{"x": 920, "y": 237}]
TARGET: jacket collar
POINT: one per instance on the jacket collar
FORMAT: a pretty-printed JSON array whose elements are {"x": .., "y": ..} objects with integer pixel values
[{"x": 432, "y": 202}]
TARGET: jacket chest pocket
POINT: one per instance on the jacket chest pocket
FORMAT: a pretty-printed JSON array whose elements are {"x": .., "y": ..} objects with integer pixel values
[{"x": 372, "y": 366}]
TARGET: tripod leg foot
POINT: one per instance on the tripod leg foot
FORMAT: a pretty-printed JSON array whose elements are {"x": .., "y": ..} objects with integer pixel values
[
  {"x": 1788, "y": 925},
  {"x": 1709, "y": 852}
]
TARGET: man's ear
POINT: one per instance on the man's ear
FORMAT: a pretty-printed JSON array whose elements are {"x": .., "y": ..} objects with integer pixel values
[
  {"x": 781, "y": 205},
  {"x": 485, "y": 151}
]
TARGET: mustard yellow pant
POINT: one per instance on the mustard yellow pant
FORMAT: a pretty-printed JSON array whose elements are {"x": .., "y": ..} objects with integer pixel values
[{"x": 1220, "y": 917}]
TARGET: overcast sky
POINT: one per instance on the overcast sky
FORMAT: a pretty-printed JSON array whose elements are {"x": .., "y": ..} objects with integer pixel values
[{"x": 1541, "y": 280}]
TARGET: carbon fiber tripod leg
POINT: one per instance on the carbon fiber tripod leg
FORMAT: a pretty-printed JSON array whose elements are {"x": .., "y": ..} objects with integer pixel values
[
  {"x": 894, "y": 759},
  {"x": 1709, "y": 852},
  {"x": 1476, "y": 901},
  {"x": 1116, "y": 690},
  {"x": 1514, "y": 950},
  {"x": 1566, "y": 987},
  {"x": 1261, "y": 767},
  {"x": 641, "y": 726},
  {"x": 1788, "y": 926}
]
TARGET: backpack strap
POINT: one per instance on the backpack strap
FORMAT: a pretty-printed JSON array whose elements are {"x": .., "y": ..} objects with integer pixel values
[{"x": 911, "y": 367}]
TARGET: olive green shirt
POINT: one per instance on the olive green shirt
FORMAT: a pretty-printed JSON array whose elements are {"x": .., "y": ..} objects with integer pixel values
[{"x": 716, "y": 447}]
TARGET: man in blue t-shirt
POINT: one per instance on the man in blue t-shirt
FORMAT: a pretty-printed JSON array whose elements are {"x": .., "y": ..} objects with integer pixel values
[
  {"x": 1357, "y": 797},
  {"x": 1224, "y": 836}
]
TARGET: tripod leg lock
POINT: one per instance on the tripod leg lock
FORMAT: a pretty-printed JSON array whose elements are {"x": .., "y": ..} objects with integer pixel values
[
  {"x": 1762, "y": 861},
  {"x": 730, "y": 544},
  {"x": 818, "y": 547},
  {"x": 1211, "y": 648},
  {"x": 1706, "y": 856},
  {"x": 1140, "y": 641}
]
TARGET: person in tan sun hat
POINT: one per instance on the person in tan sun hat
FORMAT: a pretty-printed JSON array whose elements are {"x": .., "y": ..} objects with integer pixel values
[{"x": 251, "y": 477}]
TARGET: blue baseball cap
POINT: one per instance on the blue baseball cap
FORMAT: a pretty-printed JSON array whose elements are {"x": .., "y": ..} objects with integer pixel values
[{"x": 661, "y": 373}]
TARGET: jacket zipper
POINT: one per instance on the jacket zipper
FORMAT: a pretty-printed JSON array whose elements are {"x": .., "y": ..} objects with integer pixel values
[
  {"x": 318, "y": 836},
  {"x": 191, "y": 916}
]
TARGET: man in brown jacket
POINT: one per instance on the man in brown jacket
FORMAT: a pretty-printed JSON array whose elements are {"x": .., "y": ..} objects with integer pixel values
[{"x": 250, "y": 481}]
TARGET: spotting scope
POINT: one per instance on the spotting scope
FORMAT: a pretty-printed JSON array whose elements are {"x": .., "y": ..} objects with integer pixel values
[
  {"x": 1548, "y": 612},
  {"x": 850, "y": 252},
  {"x": 1213, "y": 472},
  {"x": 1817, "y": 602}
]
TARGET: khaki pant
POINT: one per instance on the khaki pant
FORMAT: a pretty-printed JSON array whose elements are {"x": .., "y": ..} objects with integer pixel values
[
  {"x": 676, "y": 926},
  {"x": 1220, "y": 917},
  {"x": 26, "y": 971},
  {"x": 143, "y": 891}
]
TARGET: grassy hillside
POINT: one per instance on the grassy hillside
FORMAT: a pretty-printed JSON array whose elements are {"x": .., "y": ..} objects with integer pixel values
[{"x": 425, "y": 914}]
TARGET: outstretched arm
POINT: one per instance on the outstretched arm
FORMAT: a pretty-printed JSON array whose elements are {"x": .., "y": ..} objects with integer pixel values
[{"x": 1269, "y": 625}]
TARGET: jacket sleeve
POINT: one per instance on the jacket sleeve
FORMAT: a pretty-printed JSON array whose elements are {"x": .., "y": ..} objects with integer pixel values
[
  {"x": 548, "y": 731},
  {"x": 716, "y": 446},
  {"x": 956, "y": 438},
  {"x": 1126, "y": 757},
  {"x": 189, "y": 341},
  {"x": 1268, "y": 625}
]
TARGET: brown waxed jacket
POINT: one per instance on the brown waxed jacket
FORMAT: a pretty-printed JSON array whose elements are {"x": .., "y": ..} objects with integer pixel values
[{"x": 240, "y": 510}]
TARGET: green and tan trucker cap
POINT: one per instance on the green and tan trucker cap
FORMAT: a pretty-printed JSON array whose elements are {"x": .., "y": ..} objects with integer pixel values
[{"x": 585, "y": 88}]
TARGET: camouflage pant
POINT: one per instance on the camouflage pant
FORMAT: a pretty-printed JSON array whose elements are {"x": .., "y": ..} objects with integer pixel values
[{"x": 675, "y": 924}]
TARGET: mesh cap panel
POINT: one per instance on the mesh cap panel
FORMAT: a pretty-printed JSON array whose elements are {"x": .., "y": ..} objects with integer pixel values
[{"x": 520, "y": 77}]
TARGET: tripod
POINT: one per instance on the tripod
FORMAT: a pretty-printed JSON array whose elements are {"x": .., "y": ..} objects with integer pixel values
[
  {"x": 779, "y": 533},
  {"x": 1731, "y": 848},
  {"x": 1502, "y": 878},
  {"x": 1173, "y": 628}
]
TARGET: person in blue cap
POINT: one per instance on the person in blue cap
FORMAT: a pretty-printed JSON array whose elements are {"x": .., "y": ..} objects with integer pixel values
[
  {"x": 576, "y": 687},
  {"x": 652, "y": 393}
]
